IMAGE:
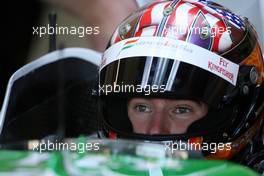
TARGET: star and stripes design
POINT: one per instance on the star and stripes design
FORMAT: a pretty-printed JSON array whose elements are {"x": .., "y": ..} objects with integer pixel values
[{"x": 184, "y": 17}]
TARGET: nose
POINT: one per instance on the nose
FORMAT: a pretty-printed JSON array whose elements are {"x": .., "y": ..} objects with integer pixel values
[{"x": 158, "y": 124}]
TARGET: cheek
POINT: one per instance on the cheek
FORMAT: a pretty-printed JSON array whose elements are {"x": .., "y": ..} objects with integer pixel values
[
  {"x": 199, "y": 115},
  {"x": 201, "y": 111},
  {"x": 180, "y": 126},
  {"x": 139, "y": 121},
  {"x": 132, "y": 116}
]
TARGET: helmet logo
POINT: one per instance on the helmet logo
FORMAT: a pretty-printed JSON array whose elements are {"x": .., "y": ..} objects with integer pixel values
[
  {"x": 253, "y": 75},
  {"x": 200, "y": 32},
  {"x": 124, "y": 29},
  {"x": 168, "y": 11},
  {"x": 205, "y": 32}
]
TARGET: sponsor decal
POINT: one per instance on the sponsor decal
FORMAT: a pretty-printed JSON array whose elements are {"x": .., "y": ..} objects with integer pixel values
[
  {"x": 221, "y": 67},
  {"x": 129, "y": 44},
  {"x": 154, "y": 46}
]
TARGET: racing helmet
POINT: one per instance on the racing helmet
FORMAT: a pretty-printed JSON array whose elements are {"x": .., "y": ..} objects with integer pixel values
[{"x": 186, "y": 49}]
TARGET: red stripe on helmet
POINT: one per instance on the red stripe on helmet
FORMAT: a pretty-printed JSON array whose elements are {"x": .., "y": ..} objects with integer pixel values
[{"x": 217, "y": 34}]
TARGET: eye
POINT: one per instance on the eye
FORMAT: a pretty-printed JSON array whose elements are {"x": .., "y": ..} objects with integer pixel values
[
  {"x": 181, "y": 110},
  {"x": 142, "y": 108}
]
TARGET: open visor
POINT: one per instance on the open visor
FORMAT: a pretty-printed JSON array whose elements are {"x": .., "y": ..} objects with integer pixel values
[
  {"x": 162, "y": 67},
  {"x": 157, "y": 67}
]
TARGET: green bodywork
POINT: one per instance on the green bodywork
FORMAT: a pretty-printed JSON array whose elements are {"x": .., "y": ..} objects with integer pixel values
[{"x": 109, "y": 161}]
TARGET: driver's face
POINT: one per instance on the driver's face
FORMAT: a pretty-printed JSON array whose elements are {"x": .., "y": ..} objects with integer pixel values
[{"x": 164, "y": 116}]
